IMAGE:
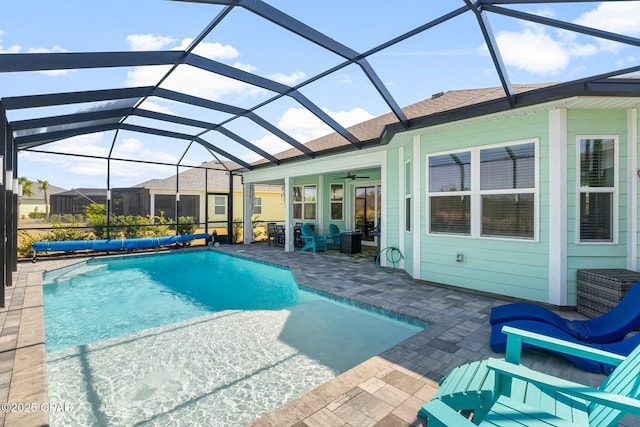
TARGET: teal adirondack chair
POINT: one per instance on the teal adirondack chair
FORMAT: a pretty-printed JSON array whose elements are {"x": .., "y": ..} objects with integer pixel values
[
  {"x": 311, "y": 240},
  {"x": 500, "y": 392},
  {"x": 334, "y": 235}
]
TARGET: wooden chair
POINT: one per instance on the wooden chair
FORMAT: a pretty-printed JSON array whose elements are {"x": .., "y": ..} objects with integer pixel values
[
  {"x": 311, "y": 240},
  {"x": 516, "y": 395},
  {"x": 334, "y": 234},
  {"x": 271, "y": 233},
  {"x": 280, "y": 235}
]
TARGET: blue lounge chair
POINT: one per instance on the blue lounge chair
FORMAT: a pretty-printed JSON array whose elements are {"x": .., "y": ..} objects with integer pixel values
[
  {"x": 609, "y": 327},
  {"x": 623, "y": 348},
  {"x": 524, "y": 397},
  {"x": 334, "y": 236},
  {"x": 311, "y": 240}
]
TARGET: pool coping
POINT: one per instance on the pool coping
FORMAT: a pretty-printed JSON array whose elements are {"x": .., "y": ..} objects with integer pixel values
[
  {"x": 23, "y": 371},
  {"x": 386, "y": 390}
]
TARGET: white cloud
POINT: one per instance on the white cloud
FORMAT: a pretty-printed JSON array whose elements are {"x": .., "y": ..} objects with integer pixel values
[
  {"x": 305, "y": 126},
  {"x": 55, "y": 49},
  {"x": 209, "y": 50},
  {"x": 10, "y": 49},
  {"x": 269, "y": 143},
  {"x": 73, "y": 172},
  {"x": 133, "y": 148},
  {"x": 148, "y": 41},
  {"x": 189, "y": 79},
  {"x": 154, "y": 106},
  {"x": 615, "y": 17},
  {"x": 290, "y": 80},
  {"x": 537, "y": 50},
  {"x": 532, "y": 51}
]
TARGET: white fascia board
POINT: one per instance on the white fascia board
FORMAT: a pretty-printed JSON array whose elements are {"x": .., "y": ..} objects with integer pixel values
[{"x": 324, "y": 165}]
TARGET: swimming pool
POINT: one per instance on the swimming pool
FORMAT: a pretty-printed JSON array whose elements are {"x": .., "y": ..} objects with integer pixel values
[{"x": 214, "y": 339}]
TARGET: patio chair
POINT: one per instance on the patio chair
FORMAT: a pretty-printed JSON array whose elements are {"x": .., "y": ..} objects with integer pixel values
[
  {"x": 609, "y": 327},
  {"x": 280, "y": 235},
  {"x": 311, "y": 240},
  {"x": 271, "y": 233},
  {"x": 623, "y": 348},
  {"x": 521, "y": 396},
  {"x": 334, "y": 235}
]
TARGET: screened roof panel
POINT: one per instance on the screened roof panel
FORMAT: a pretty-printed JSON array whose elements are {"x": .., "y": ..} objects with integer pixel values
[
  {"x": 355, "y": 90},
  {"x": 103, "y": 26},
  {"x": 362, "y": 24},
  {"x": 432, "y": 62},
  {"x": 183, "y": 109},
  {"x": 301, "y": 73},
  {"x": 253, "y": 50},
  {"x": 215, "y": 87}
]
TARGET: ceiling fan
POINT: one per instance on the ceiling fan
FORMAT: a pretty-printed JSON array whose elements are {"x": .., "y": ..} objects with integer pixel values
[{"x": 351, "y": 176}]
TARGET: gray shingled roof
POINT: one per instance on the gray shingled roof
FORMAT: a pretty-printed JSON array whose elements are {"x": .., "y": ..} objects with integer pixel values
[
  {"x": 439, "y": 103},
  {"x": 193, "y": 179}
]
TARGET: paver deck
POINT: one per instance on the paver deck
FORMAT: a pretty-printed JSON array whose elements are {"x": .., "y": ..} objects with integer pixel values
[{"x": 386, "y": 390}]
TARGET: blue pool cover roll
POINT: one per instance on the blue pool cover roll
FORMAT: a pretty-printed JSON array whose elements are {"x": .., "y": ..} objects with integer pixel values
[{"x": 115, "y": 244}]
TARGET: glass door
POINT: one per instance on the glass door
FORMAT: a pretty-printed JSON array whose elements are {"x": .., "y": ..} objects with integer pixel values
[{"x": 367, "y": 211}]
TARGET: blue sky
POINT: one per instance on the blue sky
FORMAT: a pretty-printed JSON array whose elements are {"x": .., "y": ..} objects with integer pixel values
[{"x": 448, "y": 57}]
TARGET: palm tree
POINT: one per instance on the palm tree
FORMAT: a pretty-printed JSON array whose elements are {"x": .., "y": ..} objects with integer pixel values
[
  {"x": 44, "y": 186},
  {"x": 26, "y": 186}
]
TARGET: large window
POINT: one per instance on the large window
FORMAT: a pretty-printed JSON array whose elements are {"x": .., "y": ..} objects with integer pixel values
[
  {"x": 337, "y": 201},
  {"x": 304, "y": 202},
  {"x": 450, "y": 193},
  {"x": 489, "y": 192},
  {"x": 507, "y": 190},
  {"x": 597, "y": 188}
]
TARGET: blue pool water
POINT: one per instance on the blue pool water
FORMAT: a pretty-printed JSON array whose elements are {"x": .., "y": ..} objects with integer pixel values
[{"x": 195, "y": 338}]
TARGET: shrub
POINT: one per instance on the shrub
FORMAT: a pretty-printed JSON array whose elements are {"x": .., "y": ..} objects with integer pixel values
[
  {"x": 186, "y": 225},
  {"x": 25, "y": 243}
]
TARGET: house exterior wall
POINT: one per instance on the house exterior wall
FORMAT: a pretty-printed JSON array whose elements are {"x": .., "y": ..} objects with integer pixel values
[
  {"x": 542, "y": 268},
  {"x": 28, "y": 205},
  {"x": 596, "y": 255},
  {"x": 503, "y": 266},
  {"x": 516, "y": 267}
]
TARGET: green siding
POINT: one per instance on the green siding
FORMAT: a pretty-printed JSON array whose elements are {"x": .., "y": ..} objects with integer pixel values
[
  {"x": 508, "y": 267},
  {"x": 584, "y": 256}
]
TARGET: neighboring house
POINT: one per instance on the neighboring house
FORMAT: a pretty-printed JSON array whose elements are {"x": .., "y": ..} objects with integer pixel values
[
  {"x": 75, "y": 200},
  {"x": 36, "y": 202},
  {"x": 198, "y": 199},
  {"x": 512, "y": 202},
  {"x": 213, "y": 204}
]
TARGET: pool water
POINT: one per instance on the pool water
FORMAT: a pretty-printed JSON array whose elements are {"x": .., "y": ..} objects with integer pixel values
[{"x": 213, "y": 340}]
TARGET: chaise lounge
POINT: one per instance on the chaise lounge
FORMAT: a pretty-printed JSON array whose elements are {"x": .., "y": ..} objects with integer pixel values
[{"x": 609, "y": 327}]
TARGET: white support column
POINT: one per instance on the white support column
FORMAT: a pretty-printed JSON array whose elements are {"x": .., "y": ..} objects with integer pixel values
[
  {"x": 288, "y": 214},
  {"x": 401, "y": 203},
  {"x": 320, "y": 205},
  {"x": 416, "y": 206},
  {"x": 383, "y": 195},
  {"x": 558, "y": 207},
  {"x": 247, "y": 231},
  {"x": 632, "y": 189}
]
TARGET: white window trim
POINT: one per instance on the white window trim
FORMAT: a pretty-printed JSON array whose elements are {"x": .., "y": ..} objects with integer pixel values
[
  {"x": 616, "y": 190},
  {"x": 257, "y": 205},
  {"x": 302, "y": 203},
  {"x": 215, "y": 205},
  {"x": 332, "y": 201},
  {"x": 407, "y": 195},
  {"x": 476, "y": 194}
]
